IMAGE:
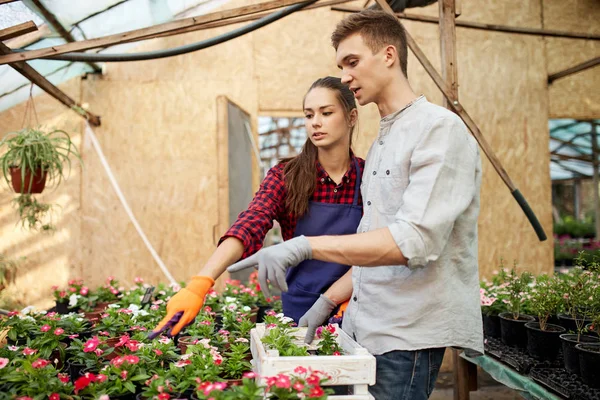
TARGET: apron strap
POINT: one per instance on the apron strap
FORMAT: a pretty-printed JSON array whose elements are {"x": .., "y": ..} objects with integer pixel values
[{"x": 358, "y": 181}]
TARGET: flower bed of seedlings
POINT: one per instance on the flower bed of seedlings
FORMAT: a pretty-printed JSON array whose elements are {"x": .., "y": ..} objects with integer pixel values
[
  {"x": 96, "y": 347},
  {"x": 547, "y": 327}
]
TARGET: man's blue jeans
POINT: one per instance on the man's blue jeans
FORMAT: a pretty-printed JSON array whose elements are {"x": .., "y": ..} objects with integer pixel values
[{"x": 407, "y": 375}]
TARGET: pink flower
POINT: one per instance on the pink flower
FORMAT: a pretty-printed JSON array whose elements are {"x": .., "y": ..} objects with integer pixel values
[
  {"x": 62, "y": 294},
  {"x": 3, "y": 362},
  {"x": 24, "y": 398},
  {"x": 98, "y": 352},
  {"x": 224, "y": 332},
  {"x": 316, "y": 391},
  {"x": 133, "y": 345},
  {"x": 45, "y": 328},
  {"x": 72, "y": 289},
  {"x": 73, "y": 336},
  {"x": 154, "y": 307},
  {"x": 114, "y": 291},
  {"x": 101, "y": 378},
  {"x": 158, "y": 352},
  {"x": 123, "y": 340},
  {"x": 269, "y": 326},
  {"x": 298, "y": 387},
  {"x": 319, "y": 331},
  {"x": 336, "y": 353},
  {"x": 241, "y": 340},
  {"x": 182, "y": 363},
  {"x": 164, "y": 396},
  {"x": 117, "y": 362},
  {"x": 13, "y": 348},
  {"x": 124, "y": 374},
  {"x": 104, "y": 397},
  {"x": 103, "y": 333},
  {"x": 91, "y": 345},
  {"x": 51, "y": 314},
  {"x": 40, "y": 363},
  {"x": 84, "y": 291},
  {"x": 300, "y": 370},
  {"x": 28, "y": 352},
  {"x": 250, "y": 375},
  {"x": 13, "y": 313},
  {"x": 59, "y": 331},
  {"x": 138, "y": 280},
  {"x": 64, "y": 378},
  {"x": 283, "y": 381},
  {"x": 54, "y": 396},
  {"x": 132, "y": 359}
]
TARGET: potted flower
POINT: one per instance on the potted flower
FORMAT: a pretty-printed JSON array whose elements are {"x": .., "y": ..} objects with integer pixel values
[
  {"x": 86, "y": 355},
  {"x": 235, "y": 363},
  {"x": 578, "y": 288},
  {"x": 328, "y": 344},
  {"x": 543, "y": 339},
  {"x": 50, "y": 343},
  {"x": 21, "y": 327},
  {"x": 160, "y": 387},
  {"x": 247, "y": 390},
  {"x": 491, "y": 301},
  {"x": 33, "y": 376},
  {"x": 512, "y": 322}
]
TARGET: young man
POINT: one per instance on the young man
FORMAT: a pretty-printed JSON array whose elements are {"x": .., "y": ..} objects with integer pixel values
[{"x": 414, "y": 289}]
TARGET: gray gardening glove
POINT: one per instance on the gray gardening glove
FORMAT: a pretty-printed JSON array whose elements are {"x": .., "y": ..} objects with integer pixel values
[
  {"x": 272, "y": 262},
  {"x": 316, "y": 316}
]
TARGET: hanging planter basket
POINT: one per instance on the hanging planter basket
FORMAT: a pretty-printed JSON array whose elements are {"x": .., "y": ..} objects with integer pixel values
[{"x": 30, "y": 184}]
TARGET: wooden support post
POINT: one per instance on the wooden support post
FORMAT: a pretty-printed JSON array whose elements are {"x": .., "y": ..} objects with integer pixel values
[
  {"x": 574, "y": 69},
  {"x": 146, "y": 33},
  {"x": 7, "y": 1},
  {"x": 595, "y": 153},
  {"x": 465, "y": 376},
  {"x": 35, "y": 77},
  {"x": 462, "y": 113},
  {"x": 17, "y": 30},
  {"x": 448, "y": 49}
]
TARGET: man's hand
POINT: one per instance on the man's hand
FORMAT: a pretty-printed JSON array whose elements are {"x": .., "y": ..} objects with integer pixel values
[
  {"x": 184, "y": 306},
  {"x": 272, "y": 262},
  {"x": 315, "y": 316}
]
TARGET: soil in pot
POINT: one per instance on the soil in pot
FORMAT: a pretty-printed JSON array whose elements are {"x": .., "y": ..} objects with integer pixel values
[
  {"x": 29, "y": 185},
  {"x": 590, "y": 331},
  {"x": 569, "y": 323},
  {"x": 184, "y": 341},
  {"x": 543, "y": 344},
  {"x": 513, "y": 332},
  {"x": 570, "y": 354},
  {"x": 589, "y": 363},
  {"x": 491, "y": 326}
]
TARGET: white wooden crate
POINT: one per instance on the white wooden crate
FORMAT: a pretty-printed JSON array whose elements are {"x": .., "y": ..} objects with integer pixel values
[{"x": 355, "y": 368}]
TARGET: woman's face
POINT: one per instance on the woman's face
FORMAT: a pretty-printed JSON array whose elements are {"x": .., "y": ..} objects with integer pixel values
[{"x": 324, "y": 118}]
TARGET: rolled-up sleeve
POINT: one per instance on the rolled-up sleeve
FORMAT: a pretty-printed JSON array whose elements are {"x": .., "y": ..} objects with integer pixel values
[{"x": 443, "y": 169}]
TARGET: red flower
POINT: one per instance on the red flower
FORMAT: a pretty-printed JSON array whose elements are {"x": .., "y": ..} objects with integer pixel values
[
  {"x": 132, "y": 359},
  {"x": 13, "y": 313},
  {"x": 313, "y": 380},
  {"x": 331, "y": 328},
  {"x": 158, "y": 352},
  {"x": 64, "y": 378},
  {"x": 316, "y": 391},
  {"x": 336, "y": 353},
  {"x": 83, "y": 382},
  {"x": 101, "y": 378},
  {"x": 164, "y": 396},
  {"x": 54, "y": 396},
  {"x": 122, "y": 341},
  {"x": 300, "y": 370},
  {"x": 124, "y": 374},
  {"x": 45, "y": 328},
  {"x": 298, "y": 387},
  {"x": 283, "y": 381},
  {"x": 59, "y": 331},
  {"x": 133, "y": 345}
]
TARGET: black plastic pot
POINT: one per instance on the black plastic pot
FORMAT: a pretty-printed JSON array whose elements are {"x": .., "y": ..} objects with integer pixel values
[
  {"x": 513, "y": 332},
  {"x": 63, "y": 307},
  {"x": 260, "y": 314},
  {"x": 589, "y": 363},
  {"x": 589, "y": 331},
  {"x": 570, "y": 354},
  {"x": 543, "y": 345},
  {"x": 75, "y": 370},
  {"x": 569, "y": 323},
  {"x": 176, "y": 396},
  {"x": 491, "y": 326}
]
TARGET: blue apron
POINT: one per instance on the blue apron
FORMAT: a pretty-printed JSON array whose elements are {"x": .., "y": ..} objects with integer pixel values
[{"x": 310, "y": 278}]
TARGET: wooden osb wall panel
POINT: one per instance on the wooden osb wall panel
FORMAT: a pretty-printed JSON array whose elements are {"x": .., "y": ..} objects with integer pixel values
[
  {"x": 160, "y": 137},
  {"x": 49, "y": 259},
  {"x": 576, "y": 96}
]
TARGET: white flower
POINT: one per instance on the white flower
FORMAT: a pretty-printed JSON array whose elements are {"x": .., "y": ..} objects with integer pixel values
[
  {"x": 246, "y": 309},
  {"x": 205, "y": 342},
  {"x": 28, "y": 310},
  {"x": 241, "y": 340},
  {"x": 164, "y": 340},
  {"x": 73, "y": 300},
  {"x": 230, "y": 299},
  {"x": 114, "y": 306}
]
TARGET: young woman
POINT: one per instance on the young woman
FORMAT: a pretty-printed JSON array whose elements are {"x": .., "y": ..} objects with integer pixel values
[{"x": 314, "y": 193}]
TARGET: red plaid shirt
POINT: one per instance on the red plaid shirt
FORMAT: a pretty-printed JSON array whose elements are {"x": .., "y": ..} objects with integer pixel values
[{"x": 268, "y": 204}]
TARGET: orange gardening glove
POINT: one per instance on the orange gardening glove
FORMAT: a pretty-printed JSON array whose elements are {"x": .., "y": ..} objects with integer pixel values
[
  {"x": 184, "y": 306},
  {"x": 342, "y": 309}
]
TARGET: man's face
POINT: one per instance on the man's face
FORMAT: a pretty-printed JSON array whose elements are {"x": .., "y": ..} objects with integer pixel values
[{"x": 362, "y": 70}]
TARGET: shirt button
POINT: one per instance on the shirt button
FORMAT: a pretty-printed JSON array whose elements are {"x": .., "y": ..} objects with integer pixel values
[
  {"x": 355, "y": 298},
  {"x": 387, "y": 172},
  {"x": 374, "y": 172},
  {"x": 381, "y": 142},
  {"x": 334, "y": 190},
  {"x": 322, "y": 179},
  {"x": 369, "y": 202}
]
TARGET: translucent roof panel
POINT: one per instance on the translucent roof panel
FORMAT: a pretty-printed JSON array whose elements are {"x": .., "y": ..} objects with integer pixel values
[
  {"x": 571, "y": 148},
  {"x": 85, "y": 20}
]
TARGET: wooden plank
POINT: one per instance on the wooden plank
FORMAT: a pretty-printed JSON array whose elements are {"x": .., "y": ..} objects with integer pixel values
[
  {"x": 145, "y": 33},
  {"x": 574, "y": 69},
  {"x": 448, "y": 48},
  {"x": 17, "y": 30},
  {"x": 7, "y": 1},
  {"x": 460, "y": 373},
  {"x": 241, "y": 19},
  {"x": 35, "y": 77},
  {"x": 490, "y": 27}
]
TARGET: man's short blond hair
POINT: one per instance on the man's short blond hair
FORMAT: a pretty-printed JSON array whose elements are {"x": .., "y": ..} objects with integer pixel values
[{"x": 378, "y": 29}]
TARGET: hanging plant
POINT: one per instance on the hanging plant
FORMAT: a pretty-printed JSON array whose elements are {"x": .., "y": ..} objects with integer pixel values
[
  {"x": 34, "y": 215},
  {"x": 33, "y": 156}
]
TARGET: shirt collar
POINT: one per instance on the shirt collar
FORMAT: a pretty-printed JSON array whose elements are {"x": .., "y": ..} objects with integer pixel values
[
  {"x": 321, "y": 173},
  {"x": 391, "y": 118}
]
